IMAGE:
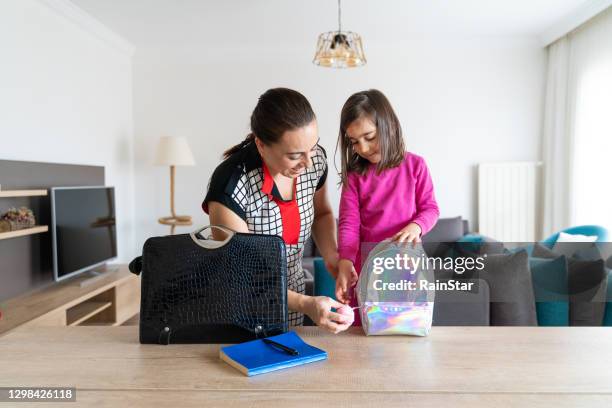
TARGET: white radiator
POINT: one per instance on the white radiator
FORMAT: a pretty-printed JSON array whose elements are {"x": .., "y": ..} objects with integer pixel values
[{"x": 507, "y": 200}]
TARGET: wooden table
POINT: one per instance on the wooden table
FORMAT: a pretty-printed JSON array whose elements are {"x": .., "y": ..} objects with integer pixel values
[{"x": 454, "y": 366}]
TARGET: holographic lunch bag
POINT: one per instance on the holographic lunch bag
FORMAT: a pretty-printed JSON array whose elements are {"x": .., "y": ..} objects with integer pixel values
[{"x": 394, "y": 291}]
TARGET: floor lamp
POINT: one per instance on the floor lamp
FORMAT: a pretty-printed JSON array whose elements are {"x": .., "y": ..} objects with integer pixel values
[{"x": 174, "y": 151}]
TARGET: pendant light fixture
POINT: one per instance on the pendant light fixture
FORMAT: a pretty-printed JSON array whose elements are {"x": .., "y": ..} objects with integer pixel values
[{"x": 339, "y": 49}]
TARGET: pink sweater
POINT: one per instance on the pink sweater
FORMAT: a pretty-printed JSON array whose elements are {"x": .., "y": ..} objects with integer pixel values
[{"x": 374, "y": 207}]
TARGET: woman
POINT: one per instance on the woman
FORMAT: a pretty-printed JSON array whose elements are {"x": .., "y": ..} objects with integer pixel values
[{"x": 274, "y": 182}]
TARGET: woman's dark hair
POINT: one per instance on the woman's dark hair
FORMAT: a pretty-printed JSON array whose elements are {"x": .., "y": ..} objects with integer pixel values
[
  {"x": 278, "y": 110},
  {"x": 374, "y": 105}
]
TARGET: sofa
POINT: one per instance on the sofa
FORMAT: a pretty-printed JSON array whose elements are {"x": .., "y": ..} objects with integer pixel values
[
  {"x": 559, "y": 281},
  {"x": 518, "y": 287}
]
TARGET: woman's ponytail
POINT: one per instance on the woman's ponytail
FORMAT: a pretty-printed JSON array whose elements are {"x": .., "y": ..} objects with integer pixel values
[{"x": 235, "y": 149}]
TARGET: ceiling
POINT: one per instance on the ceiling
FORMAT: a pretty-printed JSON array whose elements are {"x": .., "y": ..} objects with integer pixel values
[{"x": 184, "y": 23}]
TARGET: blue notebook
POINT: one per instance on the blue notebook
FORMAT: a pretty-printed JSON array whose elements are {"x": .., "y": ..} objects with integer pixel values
[{"x": 256, "y": 357}]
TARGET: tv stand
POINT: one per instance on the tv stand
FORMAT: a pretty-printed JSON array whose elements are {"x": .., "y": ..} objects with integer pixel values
[
  {"x": 94, "y": 275},
  {"x": 108, "y": 299}
]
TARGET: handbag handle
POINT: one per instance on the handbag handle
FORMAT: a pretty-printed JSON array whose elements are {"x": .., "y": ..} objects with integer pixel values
[{"x": 211, "y": 243}]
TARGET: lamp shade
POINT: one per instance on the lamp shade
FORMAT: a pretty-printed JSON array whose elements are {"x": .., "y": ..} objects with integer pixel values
[
  {"x": 339, "y": 49},
  {"x": 173, "y": 151}
]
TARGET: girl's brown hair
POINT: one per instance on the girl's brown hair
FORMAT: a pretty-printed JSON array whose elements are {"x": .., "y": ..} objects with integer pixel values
[
  {"x": 374, "y": 105},
  {"x": 278, "y": 110}
]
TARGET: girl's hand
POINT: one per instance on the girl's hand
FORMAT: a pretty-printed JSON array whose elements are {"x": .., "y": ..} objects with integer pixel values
[
  {"x": 318, "y": 308},
  {"x": 411, "y": 233},
  {"x": 347, "y": 278}
]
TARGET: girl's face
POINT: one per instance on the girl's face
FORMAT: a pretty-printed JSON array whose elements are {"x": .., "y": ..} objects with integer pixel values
[
  {"x": 361, "y": 134},
  {"x": 293, "y": 152}
]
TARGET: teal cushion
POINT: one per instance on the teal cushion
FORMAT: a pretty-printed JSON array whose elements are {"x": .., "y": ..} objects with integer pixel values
[
  {"x": 549, "y": 277},
  {"x": 324, "y": 283},
  {"x": 478, "y": 238},
  {"x": 607, "y": 321},
  {"x": 479, "y": 244},
  {"x": 470, "y": 242}
]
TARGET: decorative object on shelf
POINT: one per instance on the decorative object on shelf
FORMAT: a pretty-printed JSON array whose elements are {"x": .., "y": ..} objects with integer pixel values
[
  {"x": 174, "y": 151},
  {"x": 17, "y": 219},
  {"x": 339, "y": 49}
]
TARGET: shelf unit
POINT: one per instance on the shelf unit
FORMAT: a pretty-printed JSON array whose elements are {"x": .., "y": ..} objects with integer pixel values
[
  {"x": 109, "y": 301},
  {"x": 26, "y": 231},
  {"x": 84, "y": 311},
  {"x": 22, "y": 193}
]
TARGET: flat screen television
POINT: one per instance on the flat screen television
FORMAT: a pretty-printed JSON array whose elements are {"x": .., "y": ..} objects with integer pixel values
[{"x": 83, "y": 229}]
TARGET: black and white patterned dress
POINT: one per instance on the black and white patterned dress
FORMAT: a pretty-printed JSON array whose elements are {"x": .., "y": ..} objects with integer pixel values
[{"x": 243, "y": 184}]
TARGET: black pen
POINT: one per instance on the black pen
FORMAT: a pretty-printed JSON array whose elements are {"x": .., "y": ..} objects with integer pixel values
[{"x": 286, "y": 349}]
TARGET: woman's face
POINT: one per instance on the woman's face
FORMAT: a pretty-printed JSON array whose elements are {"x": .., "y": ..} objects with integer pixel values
[
  {"x": 362, "y": 136},
  {"x": 293, "y": 152}
]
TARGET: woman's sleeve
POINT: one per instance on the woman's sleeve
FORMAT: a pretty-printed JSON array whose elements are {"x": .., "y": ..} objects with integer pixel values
[
  {"x": 349, "y": 224},
  {"x": 320, "y": 164},
  {"x": 426, "y": 206},
  {"x": 227, "y": 187}
]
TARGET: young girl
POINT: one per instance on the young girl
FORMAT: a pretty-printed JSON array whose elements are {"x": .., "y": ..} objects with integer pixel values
[{"x": 386, "y": 191}]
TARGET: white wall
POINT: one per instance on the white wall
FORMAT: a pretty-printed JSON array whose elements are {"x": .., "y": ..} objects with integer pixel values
[
  {"x": 461, "y": 101},
  {"x": 66, "y": 97}
]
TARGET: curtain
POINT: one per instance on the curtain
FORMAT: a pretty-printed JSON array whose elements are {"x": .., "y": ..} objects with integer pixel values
[
  {"x": 577, "y": 133},
  {"x": 557, "y": 139}
]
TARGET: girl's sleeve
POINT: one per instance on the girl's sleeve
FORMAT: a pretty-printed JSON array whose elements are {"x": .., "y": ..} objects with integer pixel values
[
  {"x": 349, "y": 223},
  {"x": 426, "y": 206}
]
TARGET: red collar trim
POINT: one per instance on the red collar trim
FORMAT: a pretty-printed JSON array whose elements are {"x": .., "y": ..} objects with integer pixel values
[{"x": 268, "y": 181}]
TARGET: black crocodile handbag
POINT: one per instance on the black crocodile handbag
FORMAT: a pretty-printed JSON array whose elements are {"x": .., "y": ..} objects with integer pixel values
[{"x": 198, "y": 290}]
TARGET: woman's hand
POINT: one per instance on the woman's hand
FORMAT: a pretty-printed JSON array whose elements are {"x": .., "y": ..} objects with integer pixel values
[
  {"x": 331, "y": 263},
  {"x": 318, "y": 308},
  {"x": 346, "y": 279},
  {"x": 411, "y": 233}
]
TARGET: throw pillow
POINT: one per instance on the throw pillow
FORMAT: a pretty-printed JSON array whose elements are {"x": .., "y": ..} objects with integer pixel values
[
  {"x": 324, "y": 282},
  {"x": 476, "y": 245},
  {"x": 608, "y": 312},
  {"x": 587, "y": 283},
  {"x": 550, "y": 290},
  {"x": 568, "y": 244},
  {"x": 542, "y": 251},
  {"x": 511, "y": 288},
  {"x": 437, "y": 241}
]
